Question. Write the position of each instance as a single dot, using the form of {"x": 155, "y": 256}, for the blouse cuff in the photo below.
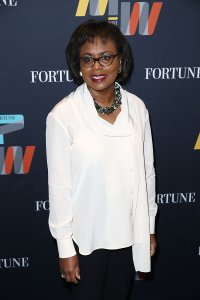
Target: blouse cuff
{"x": 66, "y": 248}
{"x": 152, "y": 225}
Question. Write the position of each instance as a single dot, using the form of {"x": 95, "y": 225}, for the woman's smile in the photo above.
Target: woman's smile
{"x": 98, "y": 77}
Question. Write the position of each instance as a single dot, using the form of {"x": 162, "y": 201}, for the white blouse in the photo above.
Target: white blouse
{"x": 94, "y": 175}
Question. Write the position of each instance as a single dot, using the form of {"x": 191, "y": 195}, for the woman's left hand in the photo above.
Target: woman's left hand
{"x": 152, "y": 244}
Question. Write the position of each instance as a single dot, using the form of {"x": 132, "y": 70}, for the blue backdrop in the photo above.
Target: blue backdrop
{"x": 164, "y": 37}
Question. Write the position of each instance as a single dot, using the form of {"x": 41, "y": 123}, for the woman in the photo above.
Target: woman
{"x": 101, "y": 173}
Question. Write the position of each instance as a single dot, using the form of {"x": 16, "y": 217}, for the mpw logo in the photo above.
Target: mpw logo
{"x": 197, "y": 144}
{"x": 140, "y": 16}
{"x": 13, "y": 155}
{"x": 8, "y": 2}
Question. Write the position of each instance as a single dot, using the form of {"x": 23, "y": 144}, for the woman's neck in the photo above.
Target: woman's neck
{"x": 103, "y": 97}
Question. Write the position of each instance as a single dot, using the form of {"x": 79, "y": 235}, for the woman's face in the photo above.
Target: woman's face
{"x": 98, "y": 77}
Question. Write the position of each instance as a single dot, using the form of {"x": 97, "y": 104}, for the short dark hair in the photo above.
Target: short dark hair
{"x": 87, "y": 32}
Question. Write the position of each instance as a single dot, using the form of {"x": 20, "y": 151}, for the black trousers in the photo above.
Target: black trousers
{"x": 105, "y": 275}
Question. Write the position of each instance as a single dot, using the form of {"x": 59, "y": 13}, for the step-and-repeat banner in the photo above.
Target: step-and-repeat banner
{"x": 164, "y": 37}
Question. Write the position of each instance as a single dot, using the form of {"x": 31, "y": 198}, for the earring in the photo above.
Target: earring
{"x": 81, "y": 74}
{"x": 120, "y": 67}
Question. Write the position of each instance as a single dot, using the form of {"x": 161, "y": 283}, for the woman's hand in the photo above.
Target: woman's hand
{"x": 69, "y": 268}
{"x": 152, "y": 244}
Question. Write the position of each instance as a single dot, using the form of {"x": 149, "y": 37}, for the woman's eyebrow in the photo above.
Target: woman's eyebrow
{"x": 101, "y": 53}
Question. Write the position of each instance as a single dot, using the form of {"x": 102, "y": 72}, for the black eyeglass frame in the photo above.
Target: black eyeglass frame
{"x": 98, "y": 59}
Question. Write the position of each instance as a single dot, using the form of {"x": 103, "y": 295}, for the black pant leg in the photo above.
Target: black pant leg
{"x": 120, "y": 275}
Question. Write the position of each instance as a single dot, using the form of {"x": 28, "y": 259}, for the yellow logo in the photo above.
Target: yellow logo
{"x": 83, "y": 5}
{"x": 197, "y": 145}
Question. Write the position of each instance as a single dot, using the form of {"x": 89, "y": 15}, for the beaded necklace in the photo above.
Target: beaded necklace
{"x": 116, "y": 103}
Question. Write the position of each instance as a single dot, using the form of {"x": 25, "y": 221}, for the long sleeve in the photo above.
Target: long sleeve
{"x": 58, "y": 143}
{"x": 150, "y": 173}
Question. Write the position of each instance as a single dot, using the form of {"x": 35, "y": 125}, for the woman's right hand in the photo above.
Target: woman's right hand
{"x": 69, "y": 267}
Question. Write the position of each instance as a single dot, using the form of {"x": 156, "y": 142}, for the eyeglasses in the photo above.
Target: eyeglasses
{"x": 104, "y": 60}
